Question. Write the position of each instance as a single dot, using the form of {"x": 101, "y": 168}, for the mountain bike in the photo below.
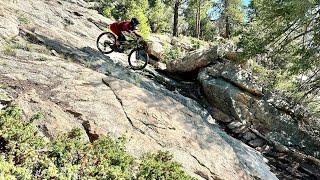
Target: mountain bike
{"x": 138, "y": 57}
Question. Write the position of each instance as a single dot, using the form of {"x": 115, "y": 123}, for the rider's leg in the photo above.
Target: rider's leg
{"x": 122, "y": 38}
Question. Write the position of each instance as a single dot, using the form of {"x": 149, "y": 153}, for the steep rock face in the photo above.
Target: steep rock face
{"x": 66, "y": 93}
{"x": 124, "y": 103}
{"x": 174, "y": 126}
{"x": 230, "y": 88}
{"x": 69, "y": 95}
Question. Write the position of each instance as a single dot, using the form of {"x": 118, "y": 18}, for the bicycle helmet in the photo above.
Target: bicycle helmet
{"x": 135, "y": 22}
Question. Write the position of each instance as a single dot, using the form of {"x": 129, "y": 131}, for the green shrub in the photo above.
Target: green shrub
{"x": 24, "y": 154}
{"x": 12, "y": 44}
{"x": 40, "y": 49}
{"x": 3, "y": 86}
{"x": 173, "y": 53}
{"x": 160, "y": 166}
{"x": 138, "y": 10}
{"x": 9, "y": 50}
{"x": 24, "y": 46}
{"x": 23, "y": 19}
{"x": 196, "y": 43}
{"x": 107, "y": 11}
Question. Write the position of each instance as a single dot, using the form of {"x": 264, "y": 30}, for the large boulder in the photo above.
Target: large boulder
{"x": 182, "y": 43}
{"x": 155, "y": 49}
{"x": 235, "y": 74}
{"x": 194, "y": 61}
{"x": 232, "y": 90}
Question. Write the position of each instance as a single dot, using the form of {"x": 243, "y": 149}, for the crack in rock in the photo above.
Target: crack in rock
{"x": 128, "y": 118}
{"x": 152, "y": 126}
{"x": 213, "y": 175}
{"x": 120, "y": 101}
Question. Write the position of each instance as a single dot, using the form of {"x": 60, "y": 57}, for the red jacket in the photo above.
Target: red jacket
{"x": 118, "y": 27}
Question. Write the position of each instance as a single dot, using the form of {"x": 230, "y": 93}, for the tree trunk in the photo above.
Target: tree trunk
{"x": 199, "y": 19}
{"x": 228, "y": 31}
{"x": 196, "y": 23}
{"x": 176, "y": 16}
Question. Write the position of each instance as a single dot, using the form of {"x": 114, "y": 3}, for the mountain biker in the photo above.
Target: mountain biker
{"x": 128, "y": 26}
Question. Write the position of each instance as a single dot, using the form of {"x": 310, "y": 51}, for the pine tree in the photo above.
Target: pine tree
{"x": 139, "y": 9}
{"x": 176, "y": 4}
{"x": 159, "y": 16}
{"x": 197, "y": 17}
{"x": 231, "y": 15}
{"x": 126, "y": 9}
{"x": 288, "y": 34}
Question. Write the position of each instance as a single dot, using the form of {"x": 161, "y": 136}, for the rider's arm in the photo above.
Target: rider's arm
{"x": 136, "y": 33}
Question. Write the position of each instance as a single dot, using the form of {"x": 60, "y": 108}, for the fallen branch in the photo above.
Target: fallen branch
{"x": 297, "y": 156}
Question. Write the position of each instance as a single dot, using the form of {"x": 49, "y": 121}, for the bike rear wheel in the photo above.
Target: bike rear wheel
{"x": 106, "y": 42}
{"x": 138, "y": 58}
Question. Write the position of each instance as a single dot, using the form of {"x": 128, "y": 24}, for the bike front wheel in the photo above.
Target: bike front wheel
{"x": 138, "y": 58}
{"x": 106, "y": 42}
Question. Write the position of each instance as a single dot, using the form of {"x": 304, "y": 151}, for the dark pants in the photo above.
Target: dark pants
{"x": 121, "y": 37}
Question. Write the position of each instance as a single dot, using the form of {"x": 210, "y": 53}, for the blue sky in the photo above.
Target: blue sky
{"x": 246, "y": 2}
{"x": 215, "y": 15}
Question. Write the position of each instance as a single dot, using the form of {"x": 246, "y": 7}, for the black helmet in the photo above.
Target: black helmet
{"x": 135, "y": 22}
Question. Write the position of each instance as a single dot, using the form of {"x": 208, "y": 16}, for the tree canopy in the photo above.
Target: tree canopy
{"x": 286, "y": 33}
